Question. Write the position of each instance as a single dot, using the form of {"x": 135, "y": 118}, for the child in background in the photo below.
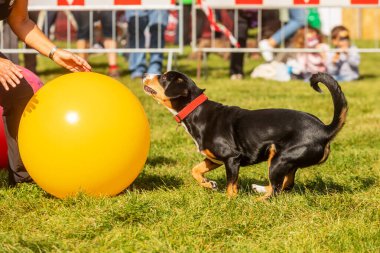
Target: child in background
{"x": 343, "y": 65}
{"x": 300, "y": 65}
{"x": 303, "y": 65}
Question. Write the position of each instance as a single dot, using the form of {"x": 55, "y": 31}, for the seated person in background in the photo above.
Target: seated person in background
{"x": 297, "y": 20}
{"x": 303, "y": 65}
{"x": 344, "y": 65}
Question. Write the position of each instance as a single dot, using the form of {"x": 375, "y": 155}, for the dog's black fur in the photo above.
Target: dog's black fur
{"x": 237, "y": 137}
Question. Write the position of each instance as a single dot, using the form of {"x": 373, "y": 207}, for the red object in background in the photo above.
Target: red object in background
{"x": 70, "y": 2}
{"x": 249, "y": 1}
{"x": 36, "y": 84}
{"x": 225, "y": 20}
{"x": 364, "y": 1}
{"x": 127, "y": 2}
{"x": 171, "y": 28}
{"x": 61, "y": 28}
{"x": 3, "y": 144}
{"x": 306, "y": 2}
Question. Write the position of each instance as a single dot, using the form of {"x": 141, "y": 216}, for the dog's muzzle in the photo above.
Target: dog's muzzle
{"x": 149, "y": 90}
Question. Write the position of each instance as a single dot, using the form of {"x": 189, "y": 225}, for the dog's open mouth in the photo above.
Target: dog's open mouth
{"x": 149, "y": 90}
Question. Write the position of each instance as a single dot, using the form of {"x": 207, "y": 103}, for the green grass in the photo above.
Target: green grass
{"x": 335, "y": 207}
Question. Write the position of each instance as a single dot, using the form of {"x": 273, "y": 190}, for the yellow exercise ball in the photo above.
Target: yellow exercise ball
{"x": 84, "y": 132}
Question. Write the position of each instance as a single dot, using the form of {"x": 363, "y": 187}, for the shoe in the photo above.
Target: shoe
{"x": 264, "y": 47}
{"x": 12, "y": 181}
{"x": 236, "y": 77}
{"x": 137, "y": 75}
{"x": 113, "y": 72}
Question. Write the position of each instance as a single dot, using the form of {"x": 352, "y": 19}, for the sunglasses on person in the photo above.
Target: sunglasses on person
{"x": 344, "y": 38}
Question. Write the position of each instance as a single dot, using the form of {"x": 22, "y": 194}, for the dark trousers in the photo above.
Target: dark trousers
{"x": 83, "y": 21}
{"x": 237, "y": 59}
{"x": 13, "y": 102}
{"x": 137, "y": 61}
{"x": 30, "y": 60}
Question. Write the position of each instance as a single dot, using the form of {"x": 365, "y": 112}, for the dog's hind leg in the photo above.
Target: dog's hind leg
{"x": 284, "y": 165}
{"x": 279, "y": 176}
{"x": 281, "y": 173}
{"x": 199, "y": 170}
{"x": 266, "y": 189}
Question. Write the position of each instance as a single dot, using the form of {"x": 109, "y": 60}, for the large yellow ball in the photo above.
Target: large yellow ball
{"x": 84, "y": 132}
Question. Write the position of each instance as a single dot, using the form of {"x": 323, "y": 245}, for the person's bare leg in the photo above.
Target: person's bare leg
{"x": 112, "y": 58}
{"x": 272, "y": 42}
{"x": 82, "y": 44}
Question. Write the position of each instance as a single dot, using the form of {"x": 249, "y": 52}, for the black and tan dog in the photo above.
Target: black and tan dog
{"x": 236, "y": 137}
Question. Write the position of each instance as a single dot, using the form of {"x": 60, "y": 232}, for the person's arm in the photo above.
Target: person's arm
{"x": 28, "y": 32}
{"x": 353, "y": 56}
{"x": 332, "y": 62}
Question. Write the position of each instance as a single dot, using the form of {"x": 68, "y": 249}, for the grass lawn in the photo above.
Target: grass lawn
{"x": 334, "y": 207}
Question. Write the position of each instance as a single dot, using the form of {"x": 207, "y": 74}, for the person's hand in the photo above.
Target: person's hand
{"x": 345, "y": 49}
{"x": 10, "y": 74}
{"x": 70, "y": 61}
{"x": 336, "y": 57}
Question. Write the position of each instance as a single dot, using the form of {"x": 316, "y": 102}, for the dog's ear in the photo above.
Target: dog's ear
{"x": 177, "y": 88}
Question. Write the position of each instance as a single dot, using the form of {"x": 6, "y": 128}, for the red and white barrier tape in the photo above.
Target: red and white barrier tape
{"x": 289, "y": 3}
{"x": 217, "y": 26}
{"x": 54, "y": 3}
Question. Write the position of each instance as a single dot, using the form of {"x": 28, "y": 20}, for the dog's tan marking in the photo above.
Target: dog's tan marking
{"x": 269, "y": 188}
{"x": 288, "y": 181}
{"x": 211, "y": 156}
{"x": 199, "y": 170}
{"x": 342, "y": 117}
{"x": 208, "y": 153}
{"x": 232, "y": 190}
{"x": 153, "y": 83}
{"x": 167, "y": 103}
{"x": 325, "y": 153}
{"x": 272, "y": 152}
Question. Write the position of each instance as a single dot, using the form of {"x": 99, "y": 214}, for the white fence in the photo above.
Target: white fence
{"x": 234, "y": 5}
{"x": 260, "y": 5}
{"x": 327, "y": 7}
{"x": 102, "y": 5}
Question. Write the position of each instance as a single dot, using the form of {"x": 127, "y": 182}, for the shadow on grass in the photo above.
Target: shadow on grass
{"x": 147, "y": 182}
{"x": 160, "y": 160}
{"x": 3, "y": 178}
{"x": 322, "y": 186}
{"x": 245, "y": 184}
{"x": 318, "y": 185}
{"x": 367, "y": 77}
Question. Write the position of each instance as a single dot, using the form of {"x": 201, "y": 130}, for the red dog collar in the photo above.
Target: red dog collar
{"x": 190, "y": 107}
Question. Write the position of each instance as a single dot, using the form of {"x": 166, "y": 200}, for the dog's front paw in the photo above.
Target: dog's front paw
{"x": 259, "y": 188}
{"x": 214, "y": 185}
{"x": 263, "y": 199}
{"x": 209, "y": 184}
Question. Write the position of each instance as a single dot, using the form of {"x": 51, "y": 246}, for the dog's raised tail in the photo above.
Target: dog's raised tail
{"x": 339, "y": 100}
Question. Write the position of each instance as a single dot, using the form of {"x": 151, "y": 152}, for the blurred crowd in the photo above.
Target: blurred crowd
{"x": 154, "y": 29}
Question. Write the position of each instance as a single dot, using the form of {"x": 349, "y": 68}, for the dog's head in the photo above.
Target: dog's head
{"x": 173, "y": 89}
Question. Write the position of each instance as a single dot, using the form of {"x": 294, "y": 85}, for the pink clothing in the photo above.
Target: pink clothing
{"x": 312, "y": 63}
